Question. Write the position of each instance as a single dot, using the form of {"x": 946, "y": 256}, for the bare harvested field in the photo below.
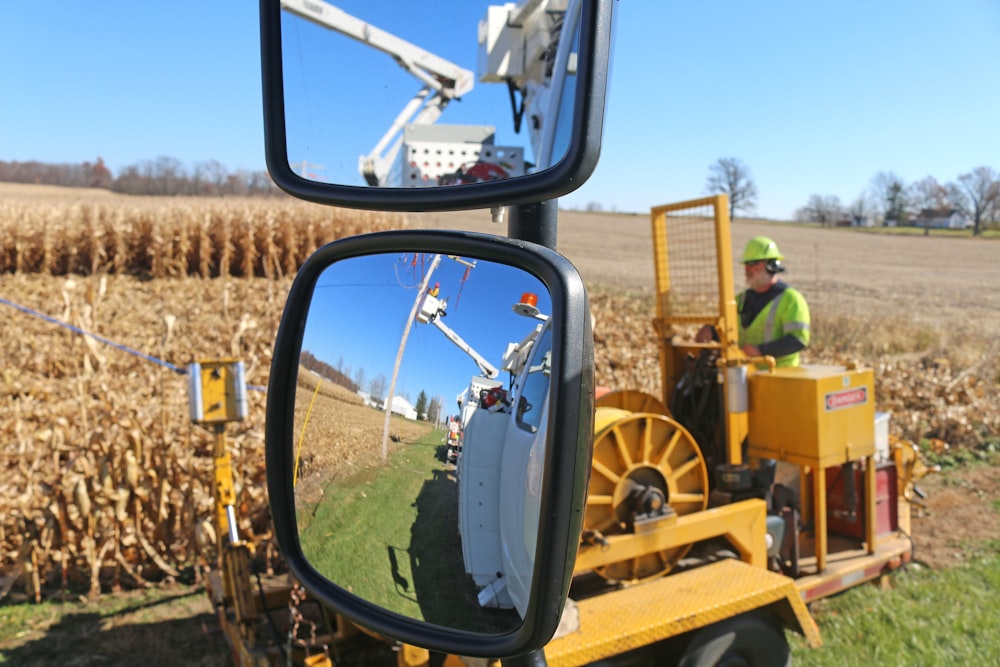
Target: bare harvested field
{"x": 104, "y": 481}
{"x": 340, "y": 435}
{"x": 940, "y": 281}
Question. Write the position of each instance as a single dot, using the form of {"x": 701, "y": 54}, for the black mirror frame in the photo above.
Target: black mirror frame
{"x": 564, "y": 177}
{"x": 567, "y": 458}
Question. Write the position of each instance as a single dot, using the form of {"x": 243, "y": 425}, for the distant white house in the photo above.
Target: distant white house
{"x": 855, "y": 221}
{"x": 367, "y": 399}
{"x": 402, "y": 407}
{"x": 947, "y": 218}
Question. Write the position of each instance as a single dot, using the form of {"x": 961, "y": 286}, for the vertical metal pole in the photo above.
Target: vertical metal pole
{"x": 534, "y": 222}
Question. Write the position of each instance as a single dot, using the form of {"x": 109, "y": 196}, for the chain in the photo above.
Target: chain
{"x": 296, "y": 619}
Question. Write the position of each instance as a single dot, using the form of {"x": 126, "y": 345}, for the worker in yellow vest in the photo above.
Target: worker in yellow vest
{"x": 774, "y": 318}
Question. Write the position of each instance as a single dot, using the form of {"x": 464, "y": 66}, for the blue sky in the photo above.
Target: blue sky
{"x": 375, "y": 294}
{"x": 814, "y": 98}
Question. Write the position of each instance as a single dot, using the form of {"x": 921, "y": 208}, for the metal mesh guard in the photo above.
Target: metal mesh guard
{"x": 692, "y": 260}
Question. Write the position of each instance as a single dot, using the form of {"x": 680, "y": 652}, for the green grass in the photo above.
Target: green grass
{"x": 152, "y": 627}
{"x": 919, "y": 231}
{"x": 988, "y": 453}
{"x": 390, "y": 535}
{"x": 945, "y": 617}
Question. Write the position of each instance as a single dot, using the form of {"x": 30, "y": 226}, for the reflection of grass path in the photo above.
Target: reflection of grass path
{"x": 359, "y": 535}
{"x": 390, "y": 535}
{"x": 356, "y": 532}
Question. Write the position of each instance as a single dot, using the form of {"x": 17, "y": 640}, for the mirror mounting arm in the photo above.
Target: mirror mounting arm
{"x": 532, "y": 659}
{"x": 517, "y": 109}
{"x": 534, "y": 222}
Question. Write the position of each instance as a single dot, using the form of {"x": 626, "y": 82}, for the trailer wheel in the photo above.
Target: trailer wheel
{"x": 748, "y": 640}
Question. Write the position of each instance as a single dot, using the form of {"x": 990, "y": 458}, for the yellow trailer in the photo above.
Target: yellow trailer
{"x": 683, "y": 551}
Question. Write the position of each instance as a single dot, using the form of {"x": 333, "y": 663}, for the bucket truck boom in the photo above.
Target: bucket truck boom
{"x": 431, "y": 310}
{"x": 441, "y": 80}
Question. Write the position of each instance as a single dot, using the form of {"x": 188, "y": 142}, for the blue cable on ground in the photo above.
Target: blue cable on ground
{"x": 101, "y": 339}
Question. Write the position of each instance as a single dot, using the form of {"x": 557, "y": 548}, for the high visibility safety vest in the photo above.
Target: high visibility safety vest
{"x": 787, "y": 314}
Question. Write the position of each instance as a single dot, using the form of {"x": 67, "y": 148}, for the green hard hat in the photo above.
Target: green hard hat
{"x": 761, "y": 247}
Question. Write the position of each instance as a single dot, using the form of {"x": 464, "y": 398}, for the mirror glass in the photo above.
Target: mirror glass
{"x": 403, "y": 358}
{"x": 398, "y": 93}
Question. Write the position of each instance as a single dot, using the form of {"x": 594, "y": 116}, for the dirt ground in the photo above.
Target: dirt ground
{"x": 932, "y": 279}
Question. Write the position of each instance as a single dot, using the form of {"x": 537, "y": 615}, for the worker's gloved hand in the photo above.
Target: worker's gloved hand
{"x": 706, "y": 334}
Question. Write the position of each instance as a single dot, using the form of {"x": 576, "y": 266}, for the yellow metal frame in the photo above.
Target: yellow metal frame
{"x": 814, "y": 508}
{"x": 673, "y": 352}
{"x": 744, "y": 524}
{"x": 630, "y": 618}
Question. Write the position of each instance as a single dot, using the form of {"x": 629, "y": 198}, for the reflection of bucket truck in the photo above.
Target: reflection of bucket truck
{"x": 499, "y": 476}
{"x": 431, "y": 311}
{"x": 410, "y": 153}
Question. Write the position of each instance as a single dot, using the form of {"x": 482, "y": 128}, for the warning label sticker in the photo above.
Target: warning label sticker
{"x": 847, "y": 398}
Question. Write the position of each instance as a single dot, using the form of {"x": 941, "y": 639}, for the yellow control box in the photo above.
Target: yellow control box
{"x": 817, "y": 416}
{"x": 217, "y": 391}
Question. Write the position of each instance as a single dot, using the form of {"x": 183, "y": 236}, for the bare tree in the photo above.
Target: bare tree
{"x": 862, "y": 209}
{"x": 825, "y": 210}
{"x": 928, "y": 199}
{"x": 730, "y": 176}
{"x": 977, "y": 195}
{"x": 434, "y": 410}
{"x": 214, "y": 175}
{"x": 169, "y": 174}
{"x": 377, "y": 387}
{"x": 927, "y": 194}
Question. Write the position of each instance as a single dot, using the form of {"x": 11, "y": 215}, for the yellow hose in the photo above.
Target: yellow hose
{"x": 302, "y": 436}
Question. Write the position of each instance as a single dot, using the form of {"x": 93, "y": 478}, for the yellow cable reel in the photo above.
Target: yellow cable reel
{"x": 633, "y": 401}
{"x": 645, "y": 467}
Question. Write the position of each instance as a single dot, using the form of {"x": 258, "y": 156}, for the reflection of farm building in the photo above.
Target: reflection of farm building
{"x": 402, "y": 407}
{"x": 367, "y": 399}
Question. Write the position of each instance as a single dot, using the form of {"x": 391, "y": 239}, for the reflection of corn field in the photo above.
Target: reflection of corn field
{"x": 341, "y": 437}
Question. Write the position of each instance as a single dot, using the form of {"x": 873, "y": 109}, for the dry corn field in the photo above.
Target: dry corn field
{"x": 159, "y": 237}
{"x": 105, "y": 483}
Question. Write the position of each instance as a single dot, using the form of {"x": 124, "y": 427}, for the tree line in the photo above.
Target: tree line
{"x": 428, "y": 409}
{"x": 163, "y": 176}
{"x": 888, "y": 200}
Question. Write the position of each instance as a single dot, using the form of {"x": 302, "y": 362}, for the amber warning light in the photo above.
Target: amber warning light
{"x": 528, "y": 306}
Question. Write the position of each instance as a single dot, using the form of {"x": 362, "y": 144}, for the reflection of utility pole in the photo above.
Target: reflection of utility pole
{"x": 399, "y": 354}
{"x": 439, "y": 402}
{"x": 303, "y": 169}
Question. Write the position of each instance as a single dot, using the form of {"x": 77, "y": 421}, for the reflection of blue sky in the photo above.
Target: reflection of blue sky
{"x": 361, "y": 305}
{"x": 342, "y": 96}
